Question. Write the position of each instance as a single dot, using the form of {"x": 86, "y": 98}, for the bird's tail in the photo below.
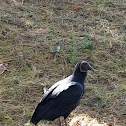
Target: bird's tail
{"x": 38, "y": 114}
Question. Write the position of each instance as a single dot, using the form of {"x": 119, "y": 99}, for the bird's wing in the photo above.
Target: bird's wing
{"x": 52, "y": 88}
{"x": 62, "y": 87}
{"x": 49, "y": 91}
{"x": 57, "y": 88}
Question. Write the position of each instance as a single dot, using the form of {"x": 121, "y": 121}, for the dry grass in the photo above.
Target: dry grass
{"x": 85, "y": 120}
{"x": 42, "y": 40}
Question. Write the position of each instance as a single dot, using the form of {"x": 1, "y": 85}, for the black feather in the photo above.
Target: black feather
{"x": 62, "y": 97}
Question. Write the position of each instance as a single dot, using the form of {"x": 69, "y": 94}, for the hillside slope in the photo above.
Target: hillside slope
{"x": 41, "y": 41}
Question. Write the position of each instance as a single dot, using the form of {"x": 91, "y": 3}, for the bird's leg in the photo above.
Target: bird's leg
{"x": 66, "y": 123}
{"x": 59, "y": 121}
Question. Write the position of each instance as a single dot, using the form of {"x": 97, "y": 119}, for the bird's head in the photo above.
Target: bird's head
{"x": 80, "y": 71}
{"x": 85, "y": 66}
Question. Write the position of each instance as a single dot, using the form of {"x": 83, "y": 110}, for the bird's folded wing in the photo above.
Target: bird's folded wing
{"x": 56, "y": 89}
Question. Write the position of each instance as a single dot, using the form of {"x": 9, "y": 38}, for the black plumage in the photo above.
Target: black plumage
{"x": 63, "y": 96}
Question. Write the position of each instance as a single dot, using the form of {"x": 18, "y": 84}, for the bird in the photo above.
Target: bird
{"x": 63, "y": 97}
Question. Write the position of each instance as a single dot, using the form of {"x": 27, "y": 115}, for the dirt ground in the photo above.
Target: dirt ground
{"x": 42, "y": 40}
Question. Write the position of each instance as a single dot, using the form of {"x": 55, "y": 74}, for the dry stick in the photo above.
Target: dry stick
{"x": 114, "y": 121}
{"x": 22, "y": 2}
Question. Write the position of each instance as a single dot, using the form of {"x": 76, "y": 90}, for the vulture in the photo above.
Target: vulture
{"x": 63, "y": 97}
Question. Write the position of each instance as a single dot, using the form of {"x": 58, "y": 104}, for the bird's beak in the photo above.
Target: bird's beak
{"x": 91, "y": 68}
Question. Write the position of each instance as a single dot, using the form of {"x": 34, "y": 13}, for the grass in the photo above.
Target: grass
{"x": 41, "y": 42}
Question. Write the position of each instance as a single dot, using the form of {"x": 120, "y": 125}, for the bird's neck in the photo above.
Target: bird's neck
{"x": 79, "y": 76}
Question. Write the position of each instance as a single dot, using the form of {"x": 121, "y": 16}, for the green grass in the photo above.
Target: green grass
{"x": 42, "y": 41}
